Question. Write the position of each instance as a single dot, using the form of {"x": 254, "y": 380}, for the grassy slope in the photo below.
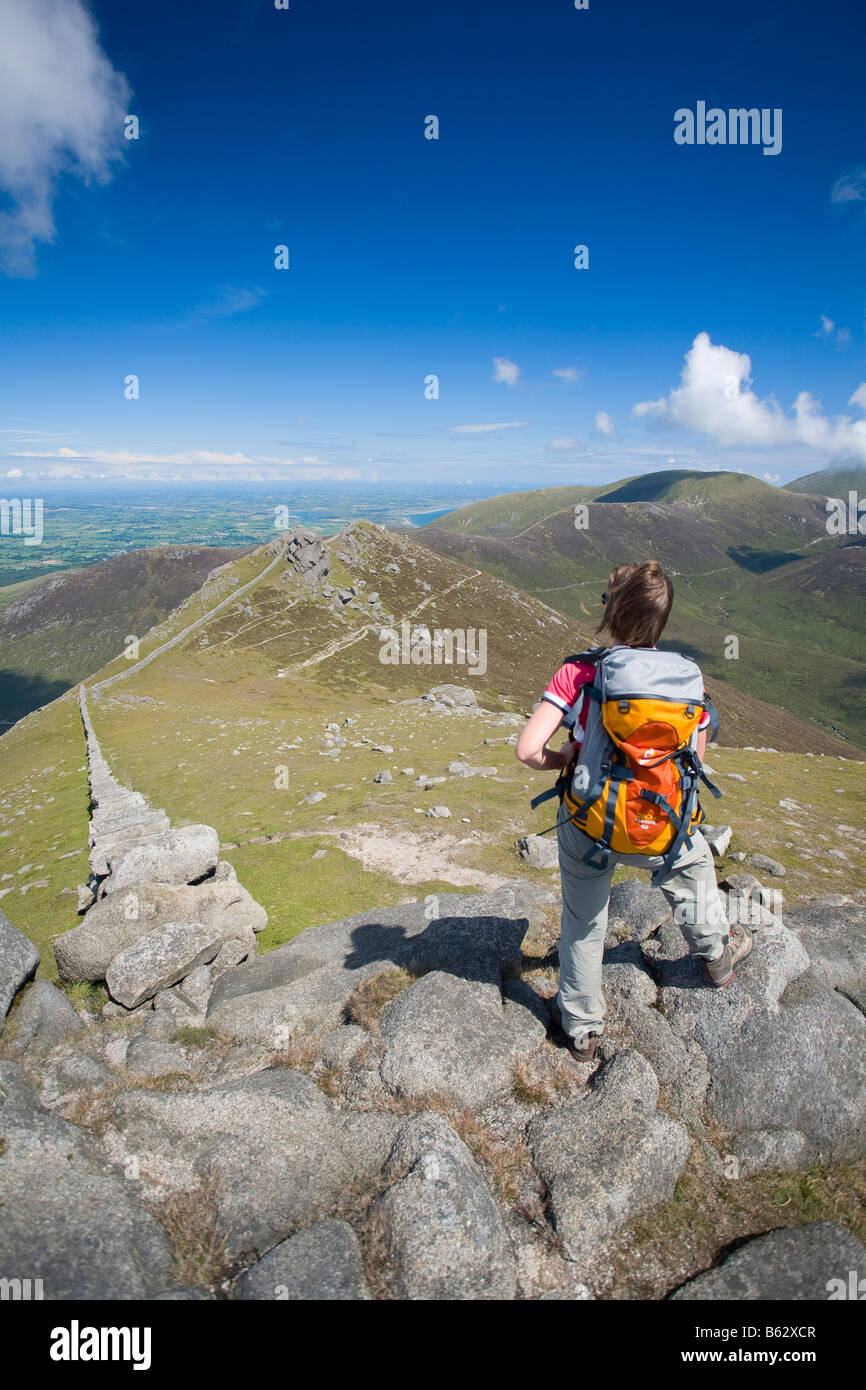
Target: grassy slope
{"x": 44, "y": 809}
{"x": 509, "y": 514}
{"x": 832, "y": 482}
{"x": 223, "y": 722}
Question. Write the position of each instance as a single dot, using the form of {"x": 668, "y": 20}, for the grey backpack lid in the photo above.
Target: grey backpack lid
{"x": 650, "y": 673}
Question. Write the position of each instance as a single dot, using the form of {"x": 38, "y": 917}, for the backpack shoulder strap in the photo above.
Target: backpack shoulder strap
{"x": 596, "y": 655}
{"x": 714, "y": 717}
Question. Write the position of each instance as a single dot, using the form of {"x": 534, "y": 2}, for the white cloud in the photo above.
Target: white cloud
{"x": 568, "y": 373}
{"x": 772, "y": 477}
{"x": 828, "y": 329}
{"x": 716, "y": 399}
{"x": 120, "y": 457}
{"x": 14, "y": 473}
{"x": 603, "y": 423}
{"x": 489, "y": 429}
{"x": 504, "y": 370}
{"x": 332, "y": 471}
{"x": 562, "y": 444}
{"x": 191, "y": 461}
{"x": 850, "y": 187}
{"x": 61, "y": 111}
{"x": 228, "y": 300}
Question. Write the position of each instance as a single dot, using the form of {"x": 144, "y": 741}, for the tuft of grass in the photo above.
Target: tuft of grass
{"x": 92, "y": 1111}
{"x": 191, "y": 1035}
{"x": 328, "y": 1078}
{"x": 90, "y": 994}
{"x": 506, "y": 1162}
{"x": 301, "y": 1053}
{"x": 539, "y": 1081}
{"x": 169, "y": 1081}
{"x": 191, "y": 1219}
{"x": 367, "y": 1003}
{"x": 529, "y": 1089}
{"x": 542, "y": 936}
{"x": 376, "y": 1252}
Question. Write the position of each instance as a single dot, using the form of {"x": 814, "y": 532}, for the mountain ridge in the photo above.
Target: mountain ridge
{"x": 53, "y": 633}
{"x": 747, "y": 560}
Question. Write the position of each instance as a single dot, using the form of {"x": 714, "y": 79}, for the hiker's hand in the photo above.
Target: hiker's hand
{"x": 568, "y": 751}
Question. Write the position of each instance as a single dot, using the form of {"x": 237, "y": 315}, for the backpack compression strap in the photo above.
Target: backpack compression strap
{"x": 691, "y": 770}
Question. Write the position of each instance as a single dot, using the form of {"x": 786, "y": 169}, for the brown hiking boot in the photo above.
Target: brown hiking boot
{"x": 720, "y": 972}
{"x": 585, "y": 1050}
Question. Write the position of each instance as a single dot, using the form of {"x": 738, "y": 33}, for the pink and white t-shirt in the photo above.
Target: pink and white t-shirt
{"x": 565, "y": 690}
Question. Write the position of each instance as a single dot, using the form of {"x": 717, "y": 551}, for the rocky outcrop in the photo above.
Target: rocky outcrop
{"x": 445, "y": 1236}
{"x": 540, "y": 851}
{"x": 608, "y": 1157}
{"x": 276, "y": 1150}
{"x": 803, "y": 1262}
{"x": 159, "y": 960}
{"x": 836, "y": 945}
{"x": 175, "y": 857}
{"x": 636, "y": 910}
{"x": 44, "y": 1018}
{"x": 118, "y": 920}
{"x": 767, "y": 1044}
{"x": 69, "y": 1218}
{"x": 322, "y": 1263}
{"x": 307, "y": 984}
{"x": 307, "y": 554}
{"x": 458, "y": 1038}
{"x": 451, "y": 699}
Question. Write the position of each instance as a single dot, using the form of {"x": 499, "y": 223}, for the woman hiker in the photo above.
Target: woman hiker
{"x": 637, "y": 604}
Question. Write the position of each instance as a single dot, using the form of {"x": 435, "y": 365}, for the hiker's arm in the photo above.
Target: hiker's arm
{"x": 702, "y": 743}
{"x": 531, "y": 746}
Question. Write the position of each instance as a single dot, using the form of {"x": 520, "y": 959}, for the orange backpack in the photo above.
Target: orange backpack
{"x": 633, "y": 785}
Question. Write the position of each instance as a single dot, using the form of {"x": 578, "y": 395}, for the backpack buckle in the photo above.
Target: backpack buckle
{"x": 624, "y": 707}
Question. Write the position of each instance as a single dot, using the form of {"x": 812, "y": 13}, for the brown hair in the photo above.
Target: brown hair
{"x": 637, "y": 604}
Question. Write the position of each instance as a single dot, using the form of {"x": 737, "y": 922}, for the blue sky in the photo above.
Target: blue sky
{"x": 411, "y": 257}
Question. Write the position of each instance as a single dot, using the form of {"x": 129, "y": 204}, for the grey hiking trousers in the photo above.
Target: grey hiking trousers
{"x": 690, "y": 888}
